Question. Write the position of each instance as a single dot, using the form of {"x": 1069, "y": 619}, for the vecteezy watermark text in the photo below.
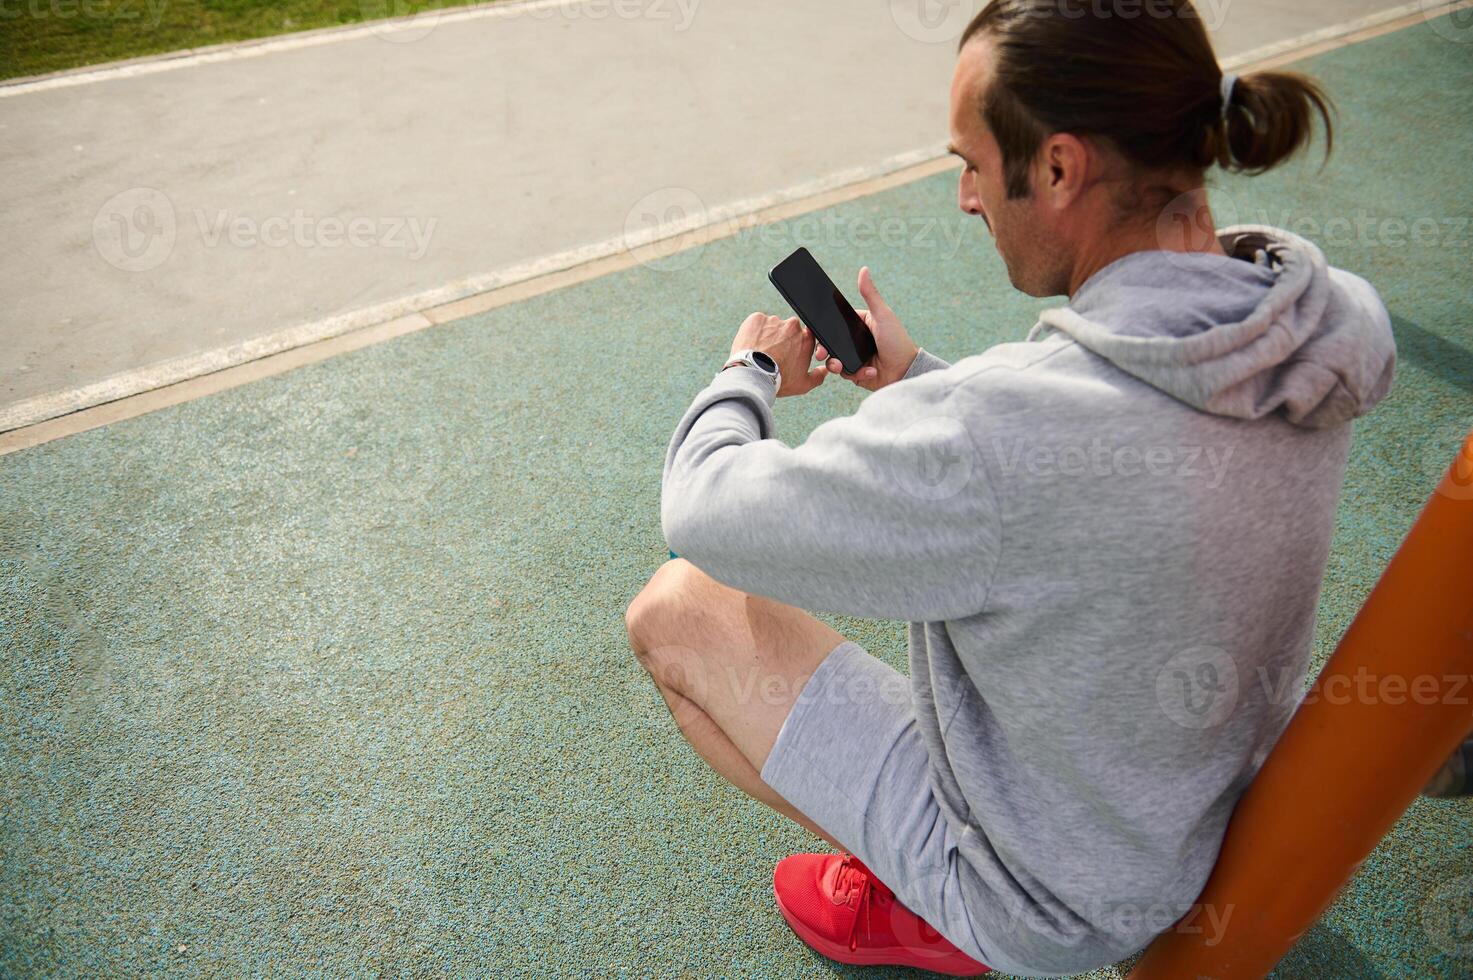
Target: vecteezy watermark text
{"x": 408, "y": 233}
{"x": 942, "y": 21}
{"x": 136, "y": 230}
{"x": 143, "y": 12}
{"x": 680, "y": 12}
{"x": 1101, "y": 459}
{"x": 655, "y": 223}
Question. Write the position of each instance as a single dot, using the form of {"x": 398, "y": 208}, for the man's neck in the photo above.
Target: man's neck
{"x": 1120, "y": 240}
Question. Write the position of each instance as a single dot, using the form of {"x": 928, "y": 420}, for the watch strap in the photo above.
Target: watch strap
{"x": 748, "y": 358}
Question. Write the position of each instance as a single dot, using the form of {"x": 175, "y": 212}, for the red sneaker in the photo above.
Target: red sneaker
{"x": 837, "y": 906}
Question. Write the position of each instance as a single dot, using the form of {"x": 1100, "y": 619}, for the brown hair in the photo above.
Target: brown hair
{"x": 1144, "y": 78}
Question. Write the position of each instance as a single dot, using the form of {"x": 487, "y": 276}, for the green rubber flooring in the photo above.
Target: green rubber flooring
{"x": 328, "y": 674}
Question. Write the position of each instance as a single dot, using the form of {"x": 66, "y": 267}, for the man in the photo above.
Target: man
{"x": 1108, "y": 540}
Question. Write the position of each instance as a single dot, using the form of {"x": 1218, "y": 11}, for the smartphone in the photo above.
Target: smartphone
{"x": 820, "y": 305}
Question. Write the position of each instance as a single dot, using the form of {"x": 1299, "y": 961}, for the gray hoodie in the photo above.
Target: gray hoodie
{"x": 1108, "y": 542}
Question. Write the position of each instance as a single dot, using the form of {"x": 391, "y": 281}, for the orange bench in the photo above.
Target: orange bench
{"x": 1391, "y": 705}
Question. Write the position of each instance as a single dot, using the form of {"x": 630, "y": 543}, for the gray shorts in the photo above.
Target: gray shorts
{"x": 849, "y": 757}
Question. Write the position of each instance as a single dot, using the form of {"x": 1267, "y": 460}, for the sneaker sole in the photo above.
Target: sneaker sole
{"x": 843, "y": 954}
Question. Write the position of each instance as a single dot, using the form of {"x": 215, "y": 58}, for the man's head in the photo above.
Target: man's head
{"x": 1078, "y": 121}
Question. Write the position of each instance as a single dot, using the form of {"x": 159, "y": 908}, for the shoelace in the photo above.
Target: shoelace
{"x": 854, "y": 881}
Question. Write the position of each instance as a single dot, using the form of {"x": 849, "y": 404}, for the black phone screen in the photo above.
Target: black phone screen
{"x": 819, "y": 304}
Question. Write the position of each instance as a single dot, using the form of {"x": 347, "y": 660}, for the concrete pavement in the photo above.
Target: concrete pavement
{"x": 174, "y": 217}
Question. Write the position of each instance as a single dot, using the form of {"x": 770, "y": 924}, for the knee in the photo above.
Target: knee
{"x": 654, "y": 613}
{"x": 639, "y": 621}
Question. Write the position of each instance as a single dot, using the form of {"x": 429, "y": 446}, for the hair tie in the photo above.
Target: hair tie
{"x": 1228, "y": 81}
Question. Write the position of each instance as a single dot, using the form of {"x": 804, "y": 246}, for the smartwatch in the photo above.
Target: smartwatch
{"x": 760, "y": 360}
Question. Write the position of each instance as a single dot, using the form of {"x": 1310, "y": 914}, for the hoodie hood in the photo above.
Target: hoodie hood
{"x": 1270, "y": 328}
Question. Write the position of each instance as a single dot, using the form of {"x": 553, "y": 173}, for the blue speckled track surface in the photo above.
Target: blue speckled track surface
{"x": 328, "y": 673}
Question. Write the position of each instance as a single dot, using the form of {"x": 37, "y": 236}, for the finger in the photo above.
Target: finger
{"x": 819, "y": 352}
{"x": 816, "y": 376}
{"x": 871, "y": 294}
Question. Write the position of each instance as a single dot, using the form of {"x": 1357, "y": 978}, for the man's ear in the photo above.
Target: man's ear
{"x": 1065, "y": 160}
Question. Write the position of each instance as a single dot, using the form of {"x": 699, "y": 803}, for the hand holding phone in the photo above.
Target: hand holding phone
{"x": 820, "y": 305}
{"x": 875, "y": 333}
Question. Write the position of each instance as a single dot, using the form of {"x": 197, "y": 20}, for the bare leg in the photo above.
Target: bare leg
{"x": 711, "y": 743}
{"x": 729, "y": 666}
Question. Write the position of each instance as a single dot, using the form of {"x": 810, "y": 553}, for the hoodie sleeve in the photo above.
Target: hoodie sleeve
{"x": 924, "y": 361}
{"x": 886, "y": 513}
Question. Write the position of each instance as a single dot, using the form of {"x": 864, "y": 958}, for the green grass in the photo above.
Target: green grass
{"x": 39, "y": 36}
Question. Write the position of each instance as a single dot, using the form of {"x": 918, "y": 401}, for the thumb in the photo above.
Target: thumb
{"x": 872, "y": 298}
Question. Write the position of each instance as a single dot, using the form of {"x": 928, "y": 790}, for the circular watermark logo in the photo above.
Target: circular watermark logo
{"x": 933, "y": 457}
{"x": 398, "y": 20}
{"x": 1447, "y": 916}
{"x": 932, "y": 21}
{"x": 135, "y": 231}
{"x": 652, "y": 225}
{"x": 678, "y": 668}
{"x": 1198, "y": 688}
{"x": 1455, "y": 23}
{"x": 1456, "y": 479}
{"x": 907, "y": 917}
{"x": 1189, "y": 223}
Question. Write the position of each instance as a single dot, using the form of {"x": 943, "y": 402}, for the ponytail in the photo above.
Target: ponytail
{"x": 1268, "y": 118}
